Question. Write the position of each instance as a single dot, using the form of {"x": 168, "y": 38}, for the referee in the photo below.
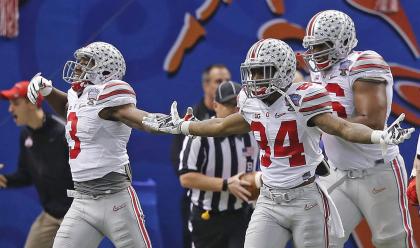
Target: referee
{"x": 210, "y": 168}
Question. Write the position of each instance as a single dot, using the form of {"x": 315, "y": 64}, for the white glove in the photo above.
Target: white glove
{"x": 38, "y": 85}
{"x": 393, "y": 135}
{"x": 172, "y": 124}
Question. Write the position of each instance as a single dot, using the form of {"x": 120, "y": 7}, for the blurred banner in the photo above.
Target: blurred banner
{"x": 166, "y": 45}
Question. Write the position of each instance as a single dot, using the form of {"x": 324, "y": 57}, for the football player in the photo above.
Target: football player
{"x": 369, "y": 179}
{"x": 286, "y": 120}
{"x": 413, "y": 189}
{"x": 100, "y": 111}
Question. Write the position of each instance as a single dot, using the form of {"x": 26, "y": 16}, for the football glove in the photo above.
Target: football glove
{"x": 172, "y": 124}
{"x": 38, "y": 85}
{"x": 393, "y": 135}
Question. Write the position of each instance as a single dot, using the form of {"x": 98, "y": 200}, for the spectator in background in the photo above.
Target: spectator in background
{"x": 210, "y": 169}
{"x": 43, "y": 161}
{"x": 212, "y": 76}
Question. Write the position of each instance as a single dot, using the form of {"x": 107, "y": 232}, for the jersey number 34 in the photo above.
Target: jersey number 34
{"x": 294, "y": 151}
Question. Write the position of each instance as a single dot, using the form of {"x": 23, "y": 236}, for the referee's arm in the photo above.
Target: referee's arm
{"x": 192, "y": 161}
{"x": 196, "y": 180}
{"x": 191, "y": 175}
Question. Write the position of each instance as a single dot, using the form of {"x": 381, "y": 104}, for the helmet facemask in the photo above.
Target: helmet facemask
{"x": 322, "y": 59}
{"x": 259, "y": 79}
{"x": 81, "y": 70}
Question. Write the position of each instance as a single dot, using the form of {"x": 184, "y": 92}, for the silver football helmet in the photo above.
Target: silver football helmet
{"x": 270, "y": 65}
{"x": 97, "y": 63}
{"x": 332, "y": 30}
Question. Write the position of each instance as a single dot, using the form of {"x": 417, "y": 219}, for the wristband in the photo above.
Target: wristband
{"x": 45, "y": 91}
{"x": 418, "y": 156}
{"x": 185, "y": 127}
{"x": 225, "y": 185}
{"x": 375, "y": 136}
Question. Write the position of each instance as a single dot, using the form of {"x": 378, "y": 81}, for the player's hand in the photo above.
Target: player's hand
{"x": 393, "y": 135}
{"x": 235, "y": 186}
{"x": 3, "y": 181}
{"x": 168, "y": 124}
{"x": 38, "y": 85}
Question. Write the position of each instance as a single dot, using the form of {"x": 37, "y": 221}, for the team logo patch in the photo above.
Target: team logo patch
{"x": 344, "y": 67}
{"x": 92, "y": 96}
{"x": 295, "y": 99}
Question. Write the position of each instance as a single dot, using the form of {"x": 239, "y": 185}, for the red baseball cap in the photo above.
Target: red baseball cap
{"x": 19, "y": 90}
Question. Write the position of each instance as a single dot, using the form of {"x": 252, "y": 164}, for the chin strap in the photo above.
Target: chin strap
{"x": 283, "y": 93}
{"x": 79, "y": 86}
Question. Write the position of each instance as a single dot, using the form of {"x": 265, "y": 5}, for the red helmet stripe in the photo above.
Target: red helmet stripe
{"x": 309, "y": 30}
{"x": 256, "y": 47}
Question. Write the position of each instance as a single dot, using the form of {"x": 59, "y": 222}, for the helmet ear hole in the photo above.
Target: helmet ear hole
{"x": 106, "y": 73}
{"x": 346, "y": 41}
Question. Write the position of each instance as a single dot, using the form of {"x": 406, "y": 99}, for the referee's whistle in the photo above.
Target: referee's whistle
{"x": 205, "y": 215}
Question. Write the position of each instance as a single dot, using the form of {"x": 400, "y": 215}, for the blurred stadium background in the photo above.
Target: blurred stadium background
{"x": 166, "y": 45}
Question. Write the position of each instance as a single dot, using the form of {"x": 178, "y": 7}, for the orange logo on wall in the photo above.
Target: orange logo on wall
{"x": 192, "y": 30}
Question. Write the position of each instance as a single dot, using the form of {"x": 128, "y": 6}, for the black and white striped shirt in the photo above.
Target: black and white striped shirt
{"x": 221, "y": 157}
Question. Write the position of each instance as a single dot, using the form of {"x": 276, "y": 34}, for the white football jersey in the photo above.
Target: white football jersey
{"x": 413, "y": 171}
{"x": 97, "y": 146}
{"x": 289, "y": 148}
{"x": 339, "y": 82}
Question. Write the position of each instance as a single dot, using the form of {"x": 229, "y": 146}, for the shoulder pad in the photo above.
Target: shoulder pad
{"x": 115, "y": 89}
{"x": 314, "y": 98}
{"x": 368, "y": 61}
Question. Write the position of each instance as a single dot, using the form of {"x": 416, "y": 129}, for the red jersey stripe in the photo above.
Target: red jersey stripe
{"x": 373, "y": 66}
{"x": 315, "y": 107}
{"x": 116, "y": 92}
{"x": 309, "y": 98}
{"x": 113, "y": 84}
{"x": 364, "y": 57}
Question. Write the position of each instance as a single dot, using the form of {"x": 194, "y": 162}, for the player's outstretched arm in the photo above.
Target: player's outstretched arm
{"x": 216, "y": 127}
{"x": 359, "y": 133}
{"x": 42, "y": 86}
{"x": 219, "y": 127}
{"x": 128, "y": 114}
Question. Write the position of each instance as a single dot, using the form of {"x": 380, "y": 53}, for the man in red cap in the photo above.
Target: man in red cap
{"x": 43, "y": 162}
